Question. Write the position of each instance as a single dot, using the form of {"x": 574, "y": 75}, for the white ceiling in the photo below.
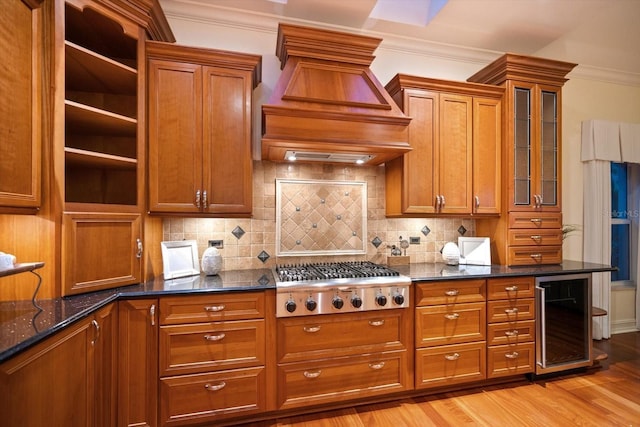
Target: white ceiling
{"x": 603, "y": 34}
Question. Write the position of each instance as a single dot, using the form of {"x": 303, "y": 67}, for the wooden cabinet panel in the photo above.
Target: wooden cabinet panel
{"x": 100, "y": 251}
{"x": 304, "y": 338}
{"x": 21, "y": 80}
{"x": 200, "y": 129}
{"x": 511, "y": 310}
{"x": 537, "y": 237}
{"x": 191, "y": 399}
{"x": 455, "y": 154}
{"x": 323, "y": 381}
{"x": 450, "y": 364}
{"x": 450, "y": 292}
{"x": 511, "y": 288}
{"x": 528, "y": 255}
{"x": 209, "y": 308}
{"x": 211, "y": 346}
{"x": 509, "y": 360}
{"x": 105, "y": 343}
{"x": 137, "y": 363}
{"x": 536, "y": 220}
{"x": 487, "y": 156}
{"x": 442, "y": 324}
{"x": 175, "y": 135}
{"x": 511, "y": 333}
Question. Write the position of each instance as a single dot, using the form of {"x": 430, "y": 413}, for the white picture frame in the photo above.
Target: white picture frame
{"x": 180, "y": 258}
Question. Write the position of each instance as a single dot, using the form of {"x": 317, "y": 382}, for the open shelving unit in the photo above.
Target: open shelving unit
{"x": 101, "y": 112}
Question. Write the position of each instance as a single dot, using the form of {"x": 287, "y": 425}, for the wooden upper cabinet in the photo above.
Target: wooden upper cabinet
{"x": 200, "y": 129}
{"x": 455, "y": 135}
{"x": 21, "y": 93}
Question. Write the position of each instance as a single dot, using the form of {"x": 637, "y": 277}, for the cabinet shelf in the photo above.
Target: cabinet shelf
{"x": 90, "y": 71}
{"x": 77, "y": 157}
{"x": 82, "y": 118}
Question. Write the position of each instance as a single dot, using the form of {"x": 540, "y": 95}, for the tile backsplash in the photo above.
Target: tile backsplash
{"x": 251, "y": 242}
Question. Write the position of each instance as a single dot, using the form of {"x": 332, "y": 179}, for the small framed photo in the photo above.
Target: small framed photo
{"x": 180, "y": 258}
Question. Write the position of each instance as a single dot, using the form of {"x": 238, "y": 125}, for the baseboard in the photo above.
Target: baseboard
{"x": 623, "y": 326}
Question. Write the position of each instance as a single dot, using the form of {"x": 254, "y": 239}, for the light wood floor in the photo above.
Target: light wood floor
{"x": 606, "y": 396}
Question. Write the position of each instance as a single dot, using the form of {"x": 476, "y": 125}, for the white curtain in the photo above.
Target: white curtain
{"x": 602, "y": 143}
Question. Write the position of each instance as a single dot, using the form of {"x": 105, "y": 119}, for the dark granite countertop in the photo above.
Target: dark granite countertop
{"x": 23, "y": 325}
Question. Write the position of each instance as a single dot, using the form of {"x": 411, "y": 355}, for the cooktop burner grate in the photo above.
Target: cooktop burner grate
{"x": 332, "y": 270}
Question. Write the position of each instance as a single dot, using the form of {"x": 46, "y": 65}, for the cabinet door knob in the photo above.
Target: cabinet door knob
{"x": 315, "y": 374}
{"x": 216, "y": 387}
{"x": 454, "y": 356}
{"x": 512, "y": 288}
{"x": 438, "y": 202}
{"x": 376, "y": 366}
{"x": 152, "y": 314}
{"x": 311, "y": 329}
{"x": 477, "y": 202}
{"x": 442, "y": 202}
{"x": 376, "y": 322}
{"x": 513, "y": 355}
{"x": 451, "y": 316}
{"x": 513, "y": 333}
{"x": 205, "y": 202}
{"x": 451, "y": 292}
{"x": 197, "y": 199}
{"x": 214, "y": 308}
{"x": 214, "y": 337}
{"x": 513, "y": 310}
{"x": 96, "y": 326}
{"x": 139, "y": 246}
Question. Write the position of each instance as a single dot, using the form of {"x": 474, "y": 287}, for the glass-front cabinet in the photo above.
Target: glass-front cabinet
{"x": 535, "y": 148}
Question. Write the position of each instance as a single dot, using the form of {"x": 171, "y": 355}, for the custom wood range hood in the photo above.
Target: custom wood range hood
{"x": 327, "y": 105}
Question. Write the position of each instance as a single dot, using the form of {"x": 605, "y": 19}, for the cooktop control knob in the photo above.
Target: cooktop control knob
{"x": 381, "y": 300}
{"x": 337, "y": 302}
{"x": 398, "y": 298}
{"x": 356, "y": 301}
{"x": 290, "y": 305}
{"x": 310, "y": 304}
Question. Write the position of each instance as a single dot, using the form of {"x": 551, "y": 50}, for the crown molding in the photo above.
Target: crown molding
{"x": 229, "y": 17}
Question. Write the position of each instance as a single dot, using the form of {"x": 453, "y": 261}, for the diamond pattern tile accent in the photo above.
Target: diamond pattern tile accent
{"x": 462, "y": 230}
{"x": 238, "y": 232}
{"x": 263, "y": 280}
{"x": 376, "y": 241}
{"x": 426, "y": 230}
{"x": 263, "y": 256}
{"x": 322, "y": 216}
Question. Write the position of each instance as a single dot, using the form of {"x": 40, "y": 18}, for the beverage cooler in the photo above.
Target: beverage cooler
{"x": 564, "y": 322}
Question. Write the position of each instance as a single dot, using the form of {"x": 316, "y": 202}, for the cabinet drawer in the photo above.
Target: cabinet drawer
{"x": 511, "y": 288}
{"x": 228, "y": 306}
{"x": 213, "y": 396}
{"x": 511, "y": 333}
{"x": 532, "y": 255}
{"x": 331, "y": 380}
{"x": 211, "y": 346}
{"x": 535, "y": 220}
{"x": 450, "y": 324}
{"x": 537, "y": 237}
{"x": 511, "y": 311}
{"x": 507, "y": 360}
{"x": 450, "y": 364}
{"x": 314, "y": 337}
{"x": 450, "y": 291}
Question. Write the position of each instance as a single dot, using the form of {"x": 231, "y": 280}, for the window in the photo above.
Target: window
{"x": 620, "y": 225}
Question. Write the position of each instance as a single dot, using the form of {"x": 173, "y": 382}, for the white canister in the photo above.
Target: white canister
{"x": 6, "y": 261}
{"x": 211, "y": 261}
{"x": 451, "y": 253}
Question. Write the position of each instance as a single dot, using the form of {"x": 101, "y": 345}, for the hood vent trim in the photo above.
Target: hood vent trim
{"x": 316, "y": 156}
{"x": 327, "y": 101}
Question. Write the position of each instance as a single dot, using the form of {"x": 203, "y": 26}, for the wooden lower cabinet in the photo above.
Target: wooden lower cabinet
{"x": 450, "y": 364}
{"x": 138, "y": 362}
{"x": 511, "y": 328}
{"x": 213, "y": 357}
{"x": 67, "y": 380}
{"x": 327, "y": 359}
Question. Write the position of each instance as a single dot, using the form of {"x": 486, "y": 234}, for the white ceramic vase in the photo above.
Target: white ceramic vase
{"x": 211, "y": 261}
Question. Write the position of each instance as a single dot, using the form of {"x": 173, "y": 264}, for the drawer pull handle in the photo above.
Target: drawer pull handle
{"x": 513, "y": 355}
{"x": 536, "y": 256}
{"x": 214, "y": 337}
{"x": 311, "y": 329}
{"x": 454, "y": 356}
{"x": 536, "y": 238}
{"x": 452, "y": 316}
{"x": 451, "y": 292}
{"x": 214, "y": 307}
{"x": 536, "y": 220}
{"x": 513, "y": 333}
{"x": 315, "y": 374}
{"x": 215, "y": 387}
{"x": 513, "y": 310}
{"x": 378, "y": 365}
{"x": 376, "y": 322}
{"x": 513, "y": 288}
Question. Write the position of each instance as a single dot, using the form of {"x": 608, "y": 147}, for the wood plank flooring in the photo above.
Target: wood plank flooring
{"x": 606, "y": 396}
